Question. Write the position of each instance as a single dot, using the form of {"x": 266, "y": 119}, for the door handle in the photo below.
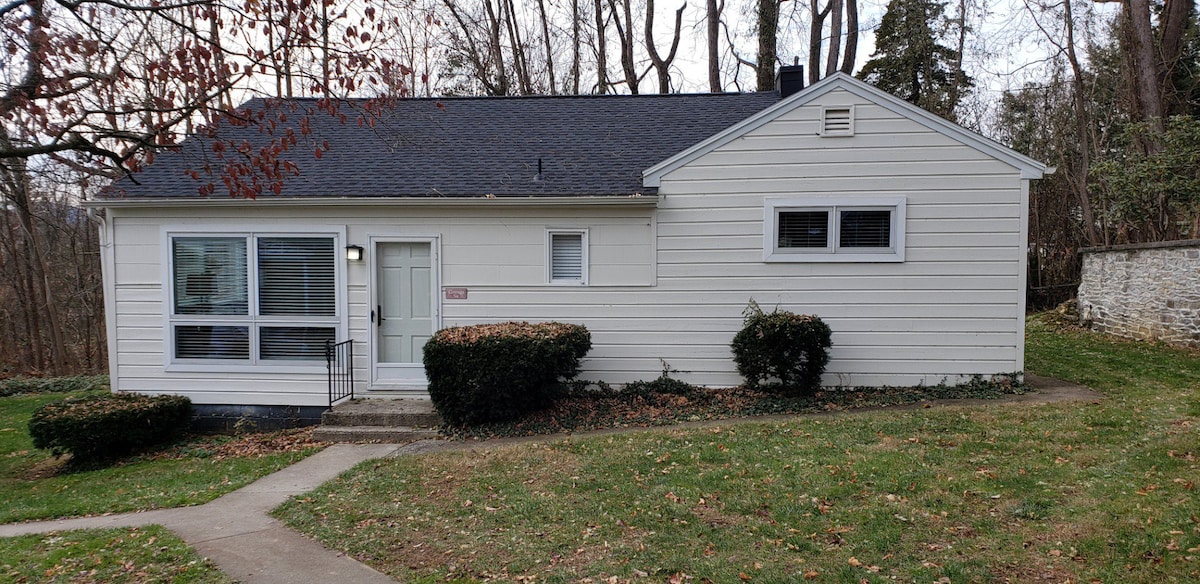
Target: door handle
{"x": 379, "y": 311}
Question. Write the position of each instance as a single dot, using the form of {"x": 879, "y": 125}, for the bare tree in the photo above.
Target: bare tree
{"x": 660, "y": 64}
{"x": 623, "y": 21}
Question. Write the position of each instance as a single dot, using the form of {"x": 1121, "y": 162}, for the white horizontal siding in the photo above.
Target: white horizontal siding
{"x": 670, "y": 285}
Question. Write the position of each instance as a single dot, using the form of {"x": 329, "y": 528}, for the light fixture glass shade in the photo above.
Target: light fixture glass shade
{"x": 354, "y": 253}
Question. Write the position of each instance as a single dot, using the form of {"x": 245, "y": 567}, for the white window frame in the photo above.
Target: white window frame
{"x": 825, "y": 132}
{"x": 583, "y": 272}
{"x": 252, "y": 320}
{"x": 833, "y": 252}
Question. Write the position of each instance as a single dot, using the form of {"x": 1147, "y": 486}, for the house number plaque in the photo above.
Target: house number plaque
{"x": 456, "y": 293}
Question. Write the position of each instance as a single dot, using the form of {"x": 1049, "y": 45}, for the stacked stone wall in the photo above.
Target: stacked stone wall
{"x": 1143, "y": 291}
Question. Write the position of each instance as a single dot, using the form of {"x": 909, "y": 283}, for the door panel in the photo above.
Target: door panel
{"x": 404, "y": 285}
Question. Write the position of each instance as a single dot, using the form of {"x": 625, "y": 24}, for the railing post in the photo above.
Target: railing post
{"x": 329, "y": 369}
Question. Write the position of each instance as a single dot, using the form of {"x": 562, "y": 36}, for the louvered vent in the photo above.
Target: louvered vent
{"x": 837, "y": 121}
{"x": 566, "y": 257}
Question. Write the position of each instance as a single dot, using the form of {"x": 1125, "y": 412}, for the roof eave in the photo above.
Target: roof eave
{"x": 639, "y": 200}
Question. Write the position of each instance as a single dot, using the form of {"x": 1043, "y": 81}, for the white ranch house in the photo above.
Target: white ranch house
{"x": 653, "y": 220}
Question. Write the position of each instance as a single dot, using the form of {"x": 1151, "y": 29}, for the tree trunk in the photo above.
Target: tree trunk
{"x": 601, "y": 48}
{"x": 1146, "y": 88}
{"x": 549, "y": 50}
{"x": 575, "y": 47}
{"x": 768, "y": 33}
{"x": 494, "y": 28}
{"x": 954, "y": 94}
{"x": 1079, "y": 182}
{"x": 625, "y": 33}
{"x": 815, "y": 27}
{"x": 835, "y": 37}
{"x": 662, "y": 66}
{"x": 851, "y": 37}
{"x": 713, "y": 19}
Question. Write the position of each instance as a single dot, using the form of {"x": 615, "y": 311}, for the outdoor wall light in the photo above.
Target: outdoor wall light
{"x": 354, "y": 253}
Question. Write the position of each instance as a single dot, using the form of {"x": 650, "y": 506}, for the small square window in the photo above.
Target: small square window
{"x": 567, "y": 257}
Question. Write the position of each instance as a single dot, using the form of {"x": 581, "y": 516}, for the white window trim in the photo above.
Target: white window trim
{"x": 253, "y": 364}
{"x": 824, "y": 117}
{"x": 583, "y": 279}
{"x": 832, "y": 253}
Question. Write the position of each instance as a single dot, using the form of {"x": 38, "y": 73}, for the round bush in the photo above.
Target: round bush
{"x": 782, "y": 347}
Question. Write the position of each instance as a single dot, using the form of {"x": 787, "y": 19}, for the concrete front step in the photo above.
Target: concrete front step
{"x": 383, "y": 412}
{"x": 373, "y": 434}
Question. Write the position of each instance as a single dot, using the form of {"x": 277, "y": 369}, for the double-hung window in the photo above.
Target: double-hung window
{"x": 252, "y": 299}
{"x": 834, "y": 229}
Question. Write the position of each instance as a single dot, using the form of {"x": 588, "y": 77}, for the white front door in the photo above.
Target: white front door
{"x": 404, "y": 311}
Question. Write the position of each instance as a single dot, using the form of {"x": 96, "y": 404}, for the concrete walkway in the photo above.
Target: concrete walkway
{"x": 236, "y": 533}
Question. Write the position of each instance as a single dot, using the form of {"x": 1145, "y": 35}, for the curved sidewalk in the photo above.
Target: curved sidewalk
{"x": 236, "y": 533}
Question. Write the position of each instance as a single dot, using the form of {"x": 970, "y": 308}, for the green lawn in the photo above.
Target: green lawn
{"x": 135, "y": 555}
{"x": 1001, "y": 493}
{"x": 35, "y": 486}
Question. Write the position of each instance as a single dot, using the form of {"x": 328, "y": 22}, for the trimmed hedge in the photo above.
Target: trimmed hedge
{"x": 98, "y": 427}
{"x": 789, "y": 348}
{"x": 495, "y": 372}
{"x": 23, "y": 385}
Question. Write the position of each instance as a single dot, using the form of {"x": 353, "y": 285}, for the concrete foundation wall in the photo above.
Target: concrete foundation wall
{"x": 1143, "y": 291}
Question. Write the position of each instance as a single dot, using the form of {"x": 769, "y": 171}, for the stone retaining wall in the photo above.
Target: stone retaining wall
{"x": 1143, "y": 291}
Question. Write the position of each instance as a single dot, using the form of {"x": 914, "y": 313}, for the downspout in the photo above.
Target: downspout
{"x": 107, "y": 273}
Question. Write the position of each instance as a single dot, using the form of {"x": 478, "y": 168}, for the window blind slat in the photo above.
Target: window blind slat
{"x": 869, "y": 228}
{"x": 803, "y": 229}
{"x": 210, "y": 275}
{"x": 212, "y": 342}
{"x": 294, "y": 343}
{"x": 296, "y": 276}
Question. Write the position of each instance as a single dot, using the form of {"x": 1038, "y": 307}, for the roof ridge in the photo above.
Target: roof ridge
{"x": 522, "y": 97}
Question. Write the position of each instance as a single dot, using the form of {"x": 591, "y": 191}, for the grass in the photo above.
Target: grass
{"x": 1101, "y": 492}
{"x": 135, "y": 555}
{"x": 193, "y": 471}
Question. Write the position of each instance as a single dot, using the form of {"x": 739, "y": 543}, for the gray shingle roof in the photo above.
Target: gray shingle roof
{"x": 468, "y": 147}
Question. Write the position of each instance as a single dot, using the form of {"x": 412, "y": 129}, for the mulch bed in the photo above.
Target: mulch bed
{"x": 582, "y": 410}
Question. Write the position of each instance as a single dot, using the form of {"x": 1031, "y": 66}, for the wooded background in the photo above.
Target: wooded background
{"x": 91, "y": 89}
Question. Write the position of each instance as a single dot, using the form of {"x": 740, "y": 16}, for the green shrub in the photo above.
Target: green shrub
{"x": 500, "y": 371}
{"x": 20, "y": 385}
{"x": 790, "y": 349}
{"x": 97, "y": 427}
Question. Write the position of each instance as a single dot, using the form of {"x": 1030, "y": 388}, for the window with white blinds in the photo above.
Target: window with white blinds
{"x": 834, "y": 229}
{"x": 253, "y": 299}
{"x": 567, "y": 257}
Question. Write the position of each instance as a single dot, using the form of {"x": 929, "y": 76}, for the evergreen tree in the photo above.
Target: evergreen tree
{"x": 909, "y": 62}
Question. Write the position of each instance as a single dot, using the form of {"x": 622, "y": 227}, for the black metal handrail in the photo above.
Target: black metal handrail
{"x": 339, "y": 361}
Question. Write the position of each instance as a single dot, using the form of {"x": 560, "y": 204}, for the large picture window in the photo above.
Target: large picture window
{"x": 252, "y": 298}
{"x": 834, "y": 229}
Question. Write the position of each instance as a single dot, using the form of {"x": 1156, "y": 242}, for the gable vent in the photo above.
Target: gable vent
{"x": 837, "y": 121}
